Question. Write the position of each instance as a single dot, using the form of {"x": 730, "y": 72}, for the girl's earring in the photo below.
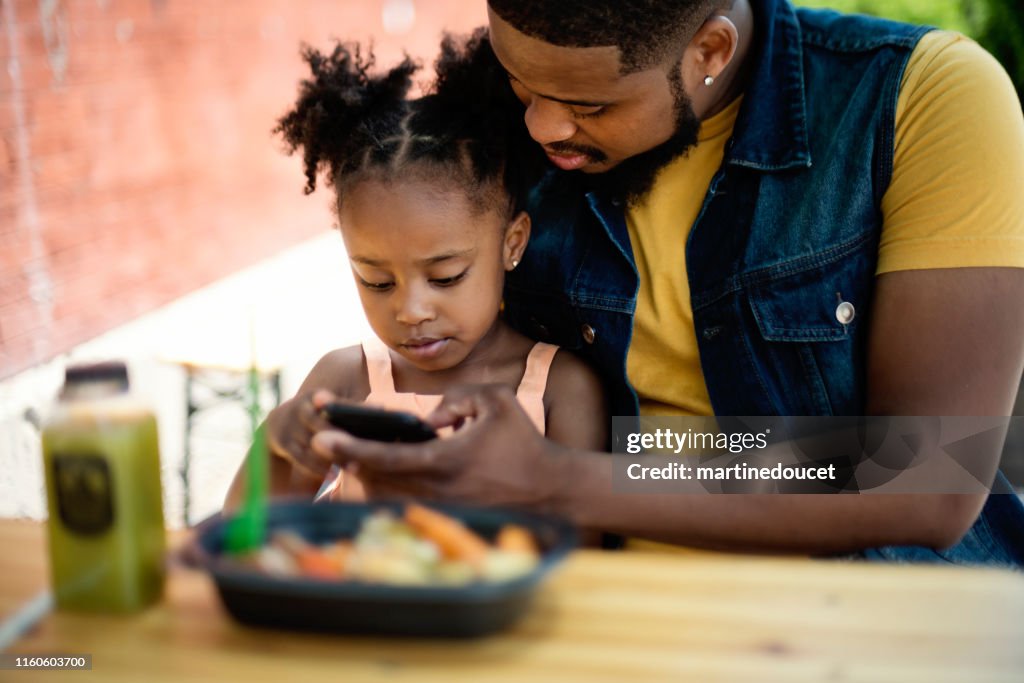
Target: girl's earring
{"x": 515, "y": 262}
{"x": 708, "y": 80}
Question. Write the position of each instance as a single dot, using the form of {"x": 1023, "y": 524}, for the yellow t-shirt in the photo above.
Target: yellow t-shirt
{"x": 956, "y": 199}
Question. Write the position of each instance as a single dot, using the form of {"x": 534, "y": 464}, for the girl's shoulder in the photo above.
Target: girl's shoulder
{"x": 570, "y": 376}
{"x": 342, "y": 372}
{"x": 576, "y": 412}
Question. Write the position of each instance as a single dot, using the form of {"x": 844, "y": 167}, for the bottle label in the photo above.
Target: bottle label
{"x": 84, "y": 492}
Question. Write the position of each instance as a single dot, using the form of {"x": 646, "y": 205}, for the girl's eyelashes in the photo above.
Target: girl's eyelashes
{"x": 437, "y": 282}
{"x": 375, "y": 286}
{"x": 449, "y": 281}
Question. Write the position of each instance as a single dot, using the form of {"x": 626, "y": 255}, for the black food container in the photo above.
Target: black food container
{"x": 348, "y": 606}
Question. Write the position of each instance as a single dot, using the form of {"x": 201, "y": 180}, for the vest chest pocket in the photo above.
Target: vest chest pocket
{"x": 809, "y": 307}
{"x": 809, "y": 346}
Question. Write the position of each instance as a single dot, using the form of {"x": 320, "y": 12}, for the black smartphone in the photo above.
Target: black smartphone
{"x": 377, "y": 424}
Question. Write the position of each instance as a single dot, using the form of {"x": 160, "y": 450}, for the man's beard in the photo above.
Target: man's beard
{"x": 632, "y": 178}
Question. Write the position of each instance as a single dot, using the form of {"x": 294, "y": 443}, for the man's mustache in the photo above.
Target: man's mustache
{"x": 567, "y": 148}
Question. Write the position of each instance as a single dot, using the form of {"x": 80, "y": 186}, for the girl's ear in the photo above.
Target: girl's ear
{"x": 517, "y": 234}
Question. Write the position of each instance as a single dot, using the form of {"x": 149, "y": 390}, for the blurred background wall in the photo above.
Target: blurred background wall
{"x": 136, "y": 161}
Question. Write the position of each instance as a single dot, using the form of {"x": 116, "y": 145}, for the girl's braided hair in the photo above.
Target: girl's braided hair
{"x": 467, "y": 129}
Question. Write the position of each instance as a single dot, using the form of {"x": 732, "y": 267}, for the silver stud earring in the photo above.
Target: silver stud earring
{"x": 514, "y": 264}
{"x": 708, "y": 80}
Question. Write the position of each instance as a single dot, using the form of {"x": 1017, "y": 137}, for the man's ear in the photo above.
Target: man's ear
{"x": 517, "y": 234}
{"x": 709, "y": 52}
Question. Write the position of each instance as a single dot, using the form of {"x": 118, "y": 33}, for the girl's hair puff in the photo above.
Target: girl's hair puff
{"x": 468, "y": 128}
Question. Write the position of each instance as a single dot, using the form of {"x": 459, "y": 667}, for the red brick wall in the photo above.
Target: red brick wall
{"x": 136, "y": 161}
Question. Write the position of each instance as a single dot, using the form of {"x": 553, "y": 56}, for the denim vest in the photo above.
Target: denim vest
{"x": 788, "y": 230}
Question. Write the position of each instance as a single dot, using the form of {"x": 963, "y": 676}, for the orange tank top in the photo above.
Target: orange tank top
{"x": 530, "y": 395}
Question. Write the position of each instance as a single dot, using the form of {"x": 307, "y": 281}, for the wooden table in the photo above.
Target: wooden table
{"x": 602, "y": 617}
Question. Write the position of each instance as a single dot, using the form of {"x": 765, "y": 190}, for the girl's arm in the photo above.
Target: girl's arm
{"x": 294, "y": 469}
{"x": 576, "y": 412}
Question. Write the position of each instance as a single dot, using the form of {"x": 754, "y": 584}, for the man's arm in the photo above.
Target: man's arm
{"x": 942, "y": 342}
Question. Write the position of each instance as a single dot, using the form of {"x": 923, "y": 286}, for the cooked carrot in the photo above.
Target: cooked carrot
{"x": 455, "y": 541}
{"x": 340, "y": 553}
{"x": 309, "y": 559}
{"x": 317, "y": 564}
{"x": 516, "y": 539}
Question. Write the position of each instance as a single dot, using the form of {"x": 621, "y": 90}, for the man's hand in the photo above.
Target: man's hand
{"x": 495, "y": 457}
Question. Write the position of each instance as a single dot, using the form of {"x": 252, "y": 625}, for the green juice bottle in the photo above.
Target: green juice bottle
{"x": 102, "y": 461}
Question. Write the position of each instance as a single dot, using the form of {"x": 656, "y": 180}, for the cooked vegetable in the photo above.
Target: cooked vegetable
{"x": 503, "y": 565}
{"x": 423, "y": 547}
{"x": 277, "y": 562}
{"x": 516, "y": 539}
{"x": 340, "y": 553}
{"x": 451, "y": 536}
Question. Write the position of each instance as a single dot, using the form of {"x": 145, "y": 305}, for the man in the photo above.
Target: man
{"x": 756, "y": 211}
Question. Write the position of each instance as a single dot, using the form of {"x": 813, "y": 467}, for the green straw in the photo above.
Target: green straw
{"x": 246, "y": 531}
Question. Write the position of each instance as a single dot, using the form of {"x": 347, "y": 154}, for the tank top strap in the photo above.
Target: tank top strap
{"x": 535, "y": 380}
{"x": 378, "y": 367}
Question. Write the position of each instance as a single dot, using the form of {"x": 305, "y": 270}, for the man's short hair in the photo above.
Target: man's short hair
{"x": 645, "y": 31}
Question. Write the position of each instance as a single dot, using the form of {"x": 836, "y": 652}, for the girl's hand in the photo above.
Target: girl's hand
{"x": 290, "y": 430}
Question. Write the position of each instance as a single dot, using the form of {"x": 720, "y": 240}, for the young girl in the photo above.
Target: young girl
{"x": 430, "y": 196}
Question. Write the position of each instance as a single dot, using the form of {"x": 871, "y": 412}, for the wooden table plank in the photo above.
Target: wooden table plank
{"x": 602, "y": 617}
